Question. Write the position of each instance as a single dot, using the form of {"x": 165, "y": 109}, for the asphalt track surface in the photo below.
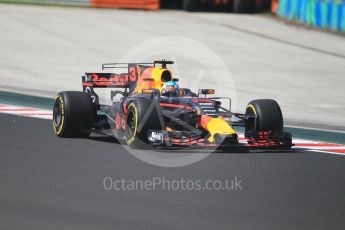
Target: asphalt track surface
{"x": 53, "y": 183}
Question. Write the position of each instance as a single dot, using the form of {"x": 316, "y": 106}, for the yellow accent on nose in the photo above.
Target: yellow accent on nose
{"x": 218, "y": 126}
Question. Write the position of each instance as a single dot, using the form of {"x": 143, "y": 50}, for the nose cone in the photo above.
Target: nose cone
{"x": 216, "y": 125}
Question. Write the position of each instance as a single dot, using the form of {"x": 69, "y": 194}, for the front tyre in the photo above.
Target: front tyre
{"x": 73, "y": 114}
{"x": 133, "y": 135}
{"x": 266, "y": 116}
{"x": 142, "y": 115}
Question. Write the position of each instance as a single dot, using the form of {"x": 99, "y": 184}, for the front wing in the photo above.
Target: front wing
{"x": 262, "y": 140}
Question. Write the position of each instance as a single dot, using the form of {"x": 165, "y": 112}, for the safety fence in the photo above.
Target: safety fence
{"x": 328, "y": 14}
{"x": 130, "y": 4}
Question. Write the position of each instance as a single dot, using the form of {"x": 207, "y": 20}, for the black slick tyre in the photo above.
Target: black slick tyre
{"x": 141, "y": 116}
{"x": 267, "y": 116}
{"x": 73, "y": 114}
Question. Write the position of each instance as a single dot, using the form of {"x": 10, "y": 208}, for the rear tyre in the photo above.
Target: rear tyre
{"x": 73, "y": 114}
{"x": 142, "y": 115}
{"x": 267, "y": 116}
{"x": 191, "y": 5}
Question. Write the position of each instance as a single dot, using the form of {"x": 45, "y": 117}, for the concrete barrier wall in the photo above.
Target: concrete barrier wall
{"x": 329, "y": 14}
{"x": 136, "y": 4}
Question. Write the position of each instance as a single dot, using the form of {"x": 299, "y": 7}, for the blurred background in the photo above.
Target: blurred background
{"x": 317, "y": 13}
{"x": 290, "y": 50}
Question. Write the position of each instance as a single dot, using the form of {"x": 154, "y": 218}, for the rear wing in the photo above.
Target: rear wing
{"x": 111, "y": 80}
{"x": 118, "y": 80}
{"x": 105, "y": 80}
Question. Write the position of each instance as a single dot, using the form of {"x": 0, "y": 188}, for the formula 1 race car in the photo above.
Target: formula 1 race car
{"x": 152, "y": 110}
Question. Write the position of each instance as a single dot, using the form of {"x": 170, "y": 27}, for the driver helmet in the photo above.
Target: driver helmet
{"x": 170, "y": 89}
